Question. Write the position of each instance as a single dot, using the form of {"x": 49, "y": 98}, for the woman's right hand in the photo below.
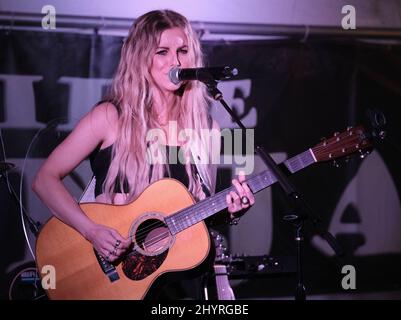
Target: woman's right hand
{"x": 108, "y": 242}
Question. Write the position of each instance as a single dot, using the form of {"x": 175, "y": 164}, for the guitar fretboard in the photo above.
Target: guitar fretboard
{"x": 187, "y": 217}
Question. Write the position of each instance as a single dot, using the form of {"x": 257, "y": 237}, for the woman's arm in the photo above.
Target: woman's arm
{"x": 93, "y": 129}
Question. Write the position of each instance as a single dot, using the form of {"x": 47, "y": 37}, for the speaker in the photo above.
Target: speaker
{"x": 25, "y": 283}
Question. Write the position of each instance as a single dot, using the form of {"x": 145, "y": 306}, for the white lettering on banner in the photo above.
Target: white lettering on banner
{"x": 228, "y": 89}
{"x": 380, "y": 218}
{"x": 348, "y": 21}
{"x": 19, "y": 101}
{"x": 84, "y": 94}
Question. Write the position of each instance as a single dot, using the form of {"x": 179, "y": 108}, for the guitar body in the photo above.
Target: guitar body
{"x": 155, "y": 252}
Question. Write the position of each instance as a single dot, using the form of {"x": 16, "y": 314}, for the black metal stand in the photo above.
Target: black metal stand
{"x": 302, "y": 210}
{"x": 33, "y": 226}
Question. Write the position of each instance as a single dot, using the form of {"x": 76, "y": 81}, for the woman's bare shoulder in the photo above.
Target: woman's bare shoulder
{"x": 103, "y": 118}
{"x": 105, "y": 112}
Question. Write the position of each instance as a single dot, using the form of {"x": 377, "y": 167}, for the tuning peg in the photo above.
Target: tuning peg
{"x": 350, "y": 131}
{"x": 335, "y": 164}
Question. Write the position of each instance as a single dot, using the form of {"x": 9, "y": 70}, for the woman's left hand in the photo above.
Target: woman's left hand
{"x": 241, "y": 199}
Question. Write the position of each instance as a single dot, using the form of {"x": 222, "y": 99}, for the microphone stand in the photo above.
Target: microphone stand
{"x": 302, "y": 212}
{"x": 33, "y": 226}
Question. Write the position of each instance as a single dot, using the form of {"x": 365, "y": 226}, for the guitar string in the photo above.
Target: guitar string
{"x": 219, "y": 198}
{"x": 155, "y": 239}
{"x": 162, "y": 236}
{"x": 152, "y": 226}
{"x": 201, "y": 205}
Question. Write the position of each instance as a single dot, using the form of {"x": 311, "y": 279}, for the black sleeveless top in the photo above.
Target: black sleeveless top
{"x": 100, "y": 160}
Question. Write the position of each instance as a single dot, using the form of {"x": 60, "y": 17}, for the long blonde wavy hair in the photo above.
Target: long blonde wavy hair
{"x": 132, "y": 95}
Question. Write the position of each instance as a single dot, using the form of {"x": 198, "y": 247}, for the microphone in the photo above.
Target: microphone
{"x": 202, "y": 74}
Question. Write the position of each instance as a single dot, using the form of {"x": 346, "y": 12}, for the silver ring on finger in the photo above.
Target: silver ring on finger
{"x": 118, "y": 242}
{"x": 244, "y": 200}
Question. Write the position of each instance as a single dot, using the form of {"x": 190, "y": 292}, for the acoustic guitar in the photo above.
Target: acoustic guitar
{"x": 166, "y": 228}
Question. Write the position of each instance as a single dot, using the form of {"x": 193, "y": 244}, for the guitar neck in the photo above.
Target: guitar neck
{"x": 187, "y": 217}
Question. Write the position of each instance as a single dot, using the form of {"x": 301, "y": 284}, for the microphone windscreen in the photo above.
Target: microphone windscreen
{"x": 173, "y": 75}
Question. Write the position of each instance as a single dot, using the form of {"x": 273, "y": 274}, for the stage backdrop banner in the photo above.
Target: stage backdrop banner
{"x": 291, "y": 94}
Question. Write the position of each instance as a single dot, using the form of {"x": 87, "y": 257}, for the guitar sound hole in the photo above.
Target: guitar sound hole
{"x": 152, "y": 236}
{"x": 152, "y": 241}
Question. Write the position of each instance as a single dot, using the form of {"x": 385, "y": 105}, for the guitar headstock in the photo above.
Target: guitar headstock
{"x": 353, "y": 140}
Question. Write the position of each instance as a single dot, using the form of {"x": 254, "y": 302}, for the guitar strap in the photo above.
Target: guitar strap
{"x": 89, "y": 193}
{"x": 201, "y": 169}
